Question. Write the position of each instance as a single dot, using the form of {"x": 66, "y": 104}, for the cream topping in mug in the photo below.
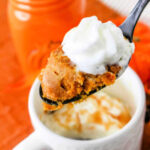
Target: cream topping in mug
{"x": 98, "y": 116}
{"x": 93, "y": 45}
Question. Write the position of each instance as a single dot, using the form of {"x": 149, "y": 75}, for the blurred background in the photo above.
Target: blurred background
{"x": 30, "y": 30}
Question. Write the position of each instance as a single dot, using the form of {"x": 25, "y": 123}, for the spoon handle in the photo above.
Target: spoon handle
{"x": 129, "y": 24}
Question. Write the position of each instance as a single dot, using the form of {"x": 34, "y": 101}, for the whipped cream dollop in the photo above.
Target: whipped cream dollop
{"x": 98, "y": 116}
{"x": 93, "y": 45}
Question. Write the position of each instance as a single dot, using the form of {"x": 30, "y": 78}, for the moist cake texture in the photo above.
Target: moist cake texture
{"x": 97, "y": 116}
{"x": 61, "y": 81}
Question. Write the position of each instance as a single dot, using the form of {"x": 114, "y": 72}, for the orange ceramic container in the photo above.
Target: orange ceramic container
{"x": 38, "y": 26}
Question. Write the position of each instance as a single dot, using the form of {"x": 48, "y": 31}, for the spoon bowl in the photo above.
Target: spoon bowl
{"x": 127, "y": 28}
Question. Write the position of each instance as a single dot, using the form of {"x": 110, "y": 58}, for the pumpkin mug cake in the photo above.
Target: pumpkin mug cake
{"x": 90, "y": 57}
{"x": 99, "y": 115}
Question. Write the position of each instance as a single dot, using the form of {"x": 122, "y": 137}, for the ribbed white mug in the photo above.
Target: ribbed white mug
{"x": 128, "y": 88}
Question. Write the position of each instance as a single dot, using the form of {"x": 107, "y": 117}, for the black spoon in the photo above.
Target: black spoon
{"x": 127, "y": 28}
{"x": 129, "y": 24}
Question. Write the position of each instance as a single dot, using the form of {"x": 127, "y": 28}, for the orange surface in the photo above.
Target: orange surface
{"x": 14, "y": 119}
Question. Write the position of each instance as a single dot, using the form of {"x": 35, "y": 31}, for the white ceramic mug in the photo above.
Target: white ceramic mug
{"x": 128, "y": 88}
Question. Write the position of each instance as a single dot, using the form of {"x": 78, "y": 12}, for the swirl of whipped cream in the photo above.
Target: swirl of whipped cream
{"x": 93, "y": 45}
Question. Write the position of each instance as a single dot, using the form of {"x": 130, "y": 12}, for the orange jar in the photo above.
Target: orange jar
{"x": 38, "y": 26}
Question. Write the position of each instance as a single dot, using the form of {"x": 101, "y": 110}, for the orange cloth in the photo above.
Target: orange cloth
{"x": 14, "y": 119}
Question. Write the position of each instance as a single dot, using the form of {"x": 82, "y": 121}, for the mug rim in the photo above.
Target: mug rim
{"x": 38, "y": 124}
